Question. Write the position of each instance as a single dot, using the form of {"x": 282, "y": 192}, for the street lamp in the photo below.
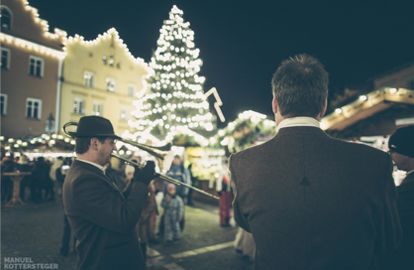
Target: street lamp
{"x": 50, "y": 124}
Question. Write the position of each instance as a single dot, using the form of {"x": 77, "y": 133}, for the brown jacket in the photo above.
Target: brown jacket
{"x": 314, "y": 202}
{"x": 103, "y": 218}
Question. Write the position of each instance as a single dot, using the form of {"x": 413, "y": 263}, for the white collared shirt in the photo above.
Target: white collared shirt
{"x": 300, "y": 121}
{"x": 102, "y": 168}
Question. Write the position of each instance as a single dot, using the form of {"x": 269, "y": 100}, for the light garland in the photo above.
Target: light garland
{"x": 20, "y": 145}
{"x": 58, "y": 34}
{"x": 365, "y": 102}
{"x": 225, "y": 136}
{"x": 108, "y": 35}
{"x": 31, "y": 46}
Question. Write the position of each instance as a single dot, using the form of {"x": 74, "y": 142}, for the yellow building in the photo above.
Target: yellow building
{"x": 100, "y": 77}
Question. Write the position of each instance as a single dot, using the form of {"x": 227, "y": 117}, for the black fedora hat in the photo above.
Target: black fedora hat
{"x": 402, "y": 141}
{"x": 93, "y": 126}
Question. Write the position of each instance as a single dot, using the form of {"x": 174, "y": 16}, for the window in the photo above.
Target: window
{"x": 79, "y": 106}
{"x": 111, "y": 61}
{"x": 131, "y": 90}
{"x": 36, "y": 66}
{"x": 5, "y": 58}
{"x": 5, "y": 18}
{"x": 89, "y": 79}
{"x": 124, "y": 115}
{"x": 110, "y": 84}
{"x": 33, "y": 108}
{"x": 97, "y": 108}
{"x": 3, "y": 104}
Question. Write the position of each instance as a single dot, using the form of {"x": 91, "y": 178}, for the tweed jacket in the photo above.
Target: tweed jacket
{"x": 103, "y": 218}
{"x": 314, "y": 202}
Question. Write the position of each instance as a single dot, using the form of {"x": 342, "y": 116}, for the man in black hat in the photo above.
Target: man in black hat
{"x": 401, "y": 146}
{"x": 102, "y": 217}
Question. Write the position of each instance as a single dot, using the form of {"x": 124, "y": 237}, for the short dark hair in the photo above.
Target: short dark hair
{"x": 300, "y": 85}
{"x": 82, "y": 144}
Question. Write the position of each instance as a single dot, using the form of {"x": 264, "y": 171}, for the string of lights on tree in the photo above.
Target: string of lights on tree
{"x": 175, "y": 104}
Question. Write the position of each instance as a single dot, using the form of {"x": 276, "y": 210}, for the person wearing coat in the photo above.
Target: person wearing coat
{"x": 312, "y": 201}
{"x": 179, "y": 172}
{"x": 173, "y": 212}
{"x": 101, "y": 216}
{"x": 401, "y": 147}
{"x": 223, "y": 188}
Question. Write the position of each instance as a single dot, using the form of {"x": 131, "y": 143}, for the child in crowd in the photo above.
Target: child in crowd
{"x": 173, "y": 212}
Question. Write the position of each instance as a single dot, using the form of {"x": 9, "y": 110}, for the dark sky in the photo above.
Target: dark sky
{"x": 242, "y": 42}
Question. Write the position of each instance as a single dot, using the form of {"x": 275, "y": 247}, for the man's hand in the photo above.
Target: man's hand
{"x": 146, "y": 174}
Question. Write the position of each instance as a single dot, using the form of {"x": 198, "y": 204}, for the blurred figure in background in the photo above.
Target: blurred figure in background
{"x": 143, "y": 227}
{"x": 190, "y": 201}
{"x": 56, "y": 165}
{"x": 40, "y": 175}
{"x": 179, "y": 172}
{"x": 223, "y": 188}
{"x": 24, "y": 166}
{"x": 7, "y": 165}
{"x": 173, "y": 212}
{"x": 401, "y": 147}
{"x": 61, "y": 173}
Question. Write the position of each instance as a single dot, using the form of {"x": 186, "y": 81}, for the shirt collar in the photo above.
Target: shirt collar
{"x": 301, "y": 121}
{"x": 102, "y": 168}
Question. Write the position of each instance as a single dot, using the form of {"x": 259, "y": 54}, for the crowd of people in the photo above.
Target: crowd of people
{"x": 44, "y": 178}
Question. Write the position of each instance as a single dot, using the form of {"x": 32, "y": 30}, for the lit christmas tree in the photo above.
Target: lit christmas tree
{"x": 175, "y": 105}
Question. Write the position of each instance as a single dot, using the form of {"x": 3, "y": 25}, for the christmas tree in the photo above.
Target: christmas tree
{"x": 175, "y": 105}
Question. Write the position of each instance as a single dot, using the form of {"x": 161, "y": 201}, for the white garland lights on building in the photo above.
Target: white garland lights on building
{"x": 176, "y": 104}
{"x": 108, "y": 35}
{"x": 58, "y": 35}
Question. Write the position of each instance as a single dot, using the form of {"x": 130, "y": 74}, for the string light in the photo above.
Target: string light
{"x": 31, "y": 46}
{"x": 110, "y": 35}
{"x": 367, "y": 101}
{"x": 175, "y": 103}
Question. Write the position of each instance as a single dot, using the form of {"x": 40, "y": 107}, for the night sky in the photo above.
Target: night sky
{"x": 242, "y": 42}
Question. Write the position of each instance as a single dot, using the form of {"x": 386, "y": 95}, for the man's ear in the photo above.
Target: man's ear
{"x": 325, "y": 106}
{"x": 93, "y": 143}
{"x": 275, "y": 105}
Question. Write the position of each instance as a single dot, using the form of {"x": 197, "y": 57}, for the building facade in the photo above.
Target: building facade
{"x": 31, "y": 60}
{"x": 100, "y": 77}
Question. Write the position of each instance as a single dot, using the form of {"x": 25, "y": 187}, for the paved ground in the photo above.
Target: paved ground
{"x": 33, "y": 232}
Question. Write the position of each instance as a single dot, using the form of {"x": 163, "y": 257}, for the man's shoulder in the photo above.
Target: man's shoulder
{"x": 338, "y": 146}
{"x": 357, "y": 148}
{"x": 82, "y": 174}
{"x": 251, "y": 151}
